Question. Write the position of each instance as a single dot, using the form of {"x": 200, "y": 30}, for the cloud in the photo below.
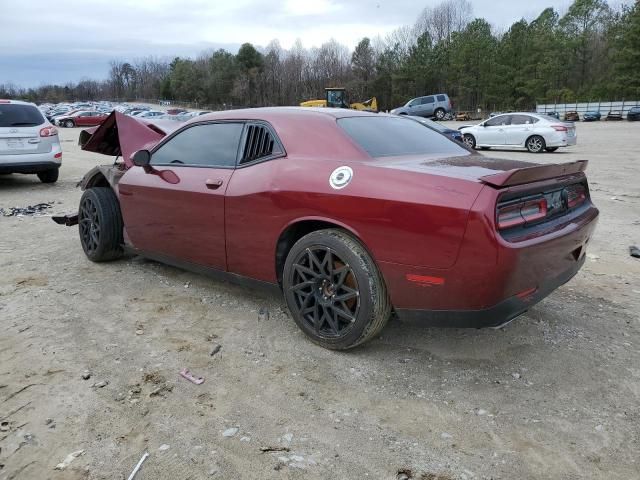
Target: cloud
{"x": 65, "y": 41}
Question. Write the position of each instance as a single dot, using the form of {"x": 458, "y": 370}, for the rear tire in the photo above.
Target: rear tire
{"x": 535, "y": 144}
{"x": 439, "y": 113}
{"x": 551, "y": 149}
{"x": 334, "y": 290}
{"x": 69, "y": 123}
{"x": 469, "y": 140}
{"x": 100, "y": 224}
{"x": 49, "y": 176}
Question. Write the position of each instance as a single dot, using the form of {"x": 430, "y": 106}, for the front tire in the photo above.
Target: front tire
{"x": 535, "y": 144}
{"x": 469, "y": 140}
{"x": 100, "y": 224}
{"x": 49, "y": 176}
{"x": 69, "y": 123}
{"x": 334, "y": 290}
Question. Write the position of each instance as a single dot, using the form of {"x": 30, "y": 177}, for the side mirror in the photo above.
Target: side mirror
{"x": 141, "y": 158}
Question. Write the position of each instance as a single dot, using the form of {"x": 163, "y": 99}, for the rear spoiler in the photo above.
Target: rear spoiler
{"x": 521, "y": 176}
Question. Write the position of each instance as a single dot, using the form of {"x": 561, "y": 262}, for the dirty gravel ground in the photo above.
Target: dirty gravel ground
{"x": 556, "y": 394}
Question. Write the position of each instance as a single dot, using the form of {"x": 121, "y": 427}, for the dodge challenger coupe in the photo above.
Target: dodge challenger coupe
{"x": 352, "y": 215}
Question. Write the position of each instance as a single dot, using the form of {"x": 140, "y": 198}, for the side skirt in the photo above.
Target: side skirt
{"x": 219, "y": 275}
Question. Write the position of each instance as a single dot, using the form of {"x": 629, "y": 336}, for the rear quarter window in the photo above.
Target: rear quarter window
{"x": 16, "y": 115}
{"x": 442, "y": 98}
{"x": 392, "y": 136}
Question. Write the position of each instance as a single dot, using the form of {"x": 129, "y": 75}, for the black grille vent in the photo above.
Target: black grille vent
{"x": 259, "y": 144}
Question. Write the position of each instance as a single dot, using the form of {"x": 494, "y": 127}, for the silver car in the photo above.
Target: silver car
{"x": 436, "y": 106}
{"x": 534, "y": 131}
{"x": 28, "y": 142}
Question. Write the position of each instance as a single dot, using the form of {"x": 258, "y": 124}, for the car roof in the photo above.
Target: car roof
{"x": 15, "y": 102}
{"x": 304, "y": 131}
{"x": 271, "y": 113}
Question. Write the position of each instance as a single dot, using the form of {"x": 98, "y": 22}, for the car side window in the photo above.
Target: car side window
{"x": 206, "y": 145}
{"x": 520, "y": 119}
{"x": 426, "y": 100}
{"x": 498, "y": 121}
{"x": 414, "y": 102}
{"x": 442, "y": 98}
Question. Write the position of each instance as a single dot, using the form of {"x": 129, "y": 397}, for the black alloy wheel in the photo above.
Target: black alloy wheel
{"x": 326, "y": 291}
{"x": 100, "y": 224}
{"x": 334, "y": 290}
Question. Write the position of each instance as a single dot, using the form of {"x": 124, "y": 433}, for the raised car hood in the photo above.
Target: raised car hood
{"x": 474, "y": 167}
{"x": 120, "y": 135}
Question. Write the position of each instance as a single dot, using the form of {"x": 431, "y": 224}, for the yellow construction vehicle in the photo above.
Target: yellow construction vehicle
{"x": 337, "y": 98}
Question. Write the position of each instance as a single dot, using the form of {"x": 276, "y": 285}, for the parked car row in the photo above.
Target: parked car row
{"x": 594, "y": 115}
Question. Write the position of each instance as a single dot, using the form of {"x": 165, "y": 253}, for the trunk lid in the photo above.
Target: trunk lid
{"x": 496, "y": 172}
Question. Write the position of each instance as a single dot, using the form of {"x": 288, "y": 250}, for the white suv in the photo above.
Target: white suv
{"x": 28, "y": 141}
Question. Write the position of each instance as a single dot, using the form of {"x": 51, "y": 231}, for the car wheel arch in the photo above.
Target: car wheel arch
{"x": 298, "y": 228}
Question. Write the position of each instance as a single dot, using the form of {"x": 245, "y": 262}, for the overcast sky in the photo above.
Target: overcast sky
{"x": 60, "y": 41}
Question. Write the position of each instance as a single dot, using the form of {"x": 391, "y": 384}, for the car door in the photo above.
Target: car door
{"x": 83, "y": 119}
{"x": 177, "y": 210}
{"x": 493, "y": 131}
{"x": 427, "y": 106}
{"x": 519, "y": 129}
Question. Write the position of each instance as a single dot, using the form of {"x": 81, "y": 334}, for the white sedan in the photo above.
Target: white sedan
{"x": 533, "y": 131}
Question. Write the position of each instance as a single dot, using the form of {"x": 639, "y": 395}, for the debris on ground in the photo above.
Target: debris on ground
{"x": 86, "y": 375}
{"x": 138, "y": 465}
{"x": 263, "y": 315}
{"x": 36, "y": 209}
{"x": 634, "y": 251}
{"x": 216, "y": 349}
{"x": 100, "y": 384}
{"x": 68, "y": 459}
{"x": 185, "y": 373}
{"x": 164, "y": 447}
{"x": 274, "y": 449}
{"x": 404, "y": 474}
{"x": 230, "y": 432}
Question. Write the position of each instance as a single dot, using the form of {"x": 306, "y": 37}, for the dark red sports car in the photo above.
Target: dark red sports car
{"x": 352, "y": 215}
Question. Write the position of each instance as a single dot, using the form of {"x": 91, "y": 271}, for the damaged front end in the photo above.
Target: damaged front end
{"x": 118, "y": 136}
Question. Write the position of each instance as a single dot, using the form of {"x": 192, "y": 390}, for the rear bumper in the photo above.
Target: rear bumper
{"x": 561, "y": 139}
{"x": 28, "y": 167}
{"x": 494, "y": 316}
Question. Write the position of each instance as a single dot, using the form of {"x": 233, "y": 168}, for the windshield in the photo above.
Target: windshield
{"x": 16, "y": 115}
{"x": 393, "y": 136}
{"x": 548, "y": 117}
{"x": 429, "y": 123}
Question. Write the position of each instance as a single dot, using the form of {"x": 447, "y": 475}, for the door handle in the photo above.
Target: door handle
{"x": 213, "y": 184}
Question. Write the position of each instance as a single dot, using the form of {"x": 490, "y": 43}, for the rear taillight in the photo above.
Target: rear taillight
{"x": 48, "y": 131}
{"x": 559, "y": 128}
{"x": 521, "y": 212}
{"x": 58, "y": 155}
{"x": 576, "y": 195}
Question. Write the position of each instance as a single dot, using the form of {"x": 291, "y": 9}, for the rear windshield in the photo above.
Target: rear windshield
{"x": 15, "y": 115}
{"x": 391, "y": 136}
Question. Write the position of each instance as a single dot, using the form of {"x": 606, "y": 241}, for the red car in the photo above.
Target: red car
{"x": 81, "y": 118}
{"x": 352, "y": 215}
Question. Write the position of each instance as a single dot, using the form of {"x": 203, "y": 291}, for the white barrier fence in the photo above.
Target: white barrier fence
{"x": 603, "y": 107}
